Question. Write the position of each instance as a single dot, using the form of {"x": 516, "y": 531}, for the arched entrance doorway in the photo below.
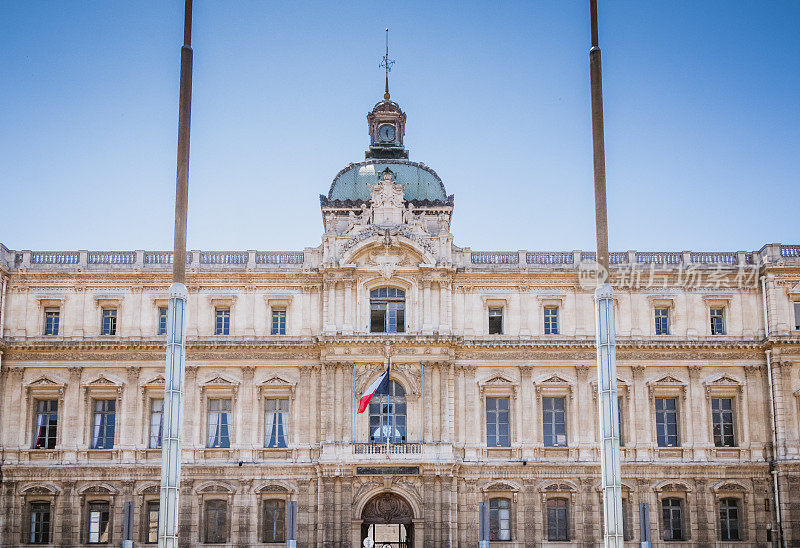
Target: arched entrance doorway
{"x": 388, "y": 522}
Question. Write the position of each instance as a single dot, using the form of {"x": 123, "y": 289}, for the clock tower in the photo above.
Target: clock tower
{"x": 387, "y": 125}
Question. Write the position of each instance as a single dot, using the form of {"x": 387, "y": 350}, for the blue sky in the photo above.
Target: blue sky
{"x": 701, "y": 103}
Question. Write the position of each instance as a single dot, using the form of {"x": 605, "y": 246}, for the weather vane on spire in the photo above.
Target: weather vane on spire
{"x": 387, "y": 63}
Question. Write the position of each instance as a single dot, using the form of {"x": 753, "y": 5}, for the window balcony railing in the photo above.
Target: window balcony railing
{"x": 405, "y": 448}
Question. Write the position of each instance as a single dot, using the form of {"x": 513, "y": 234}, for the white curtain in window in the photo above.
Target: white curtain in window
{"x": 156, "y": 423}
{"x": 213, "y": 428}
{"x": 98, "y": 422}
{"x": 41, "y": 429}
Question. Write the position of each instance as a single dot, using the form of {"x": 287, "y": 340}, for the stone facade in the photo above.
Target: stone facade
{"x": 449, "y": 365}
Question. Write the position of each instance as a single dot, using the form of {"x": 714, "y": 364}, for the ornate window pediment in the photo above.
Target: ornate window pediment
{"x": 728, "y": 486}
{"x": 557, "y": 487}
{"x": 220, "y": 381}
{"x": 97, "y": 489}
{"x": 273, "y": 488}
{"x": 723, "y": 385}
{"x": 40, "y": 489}
{"x": 553, "y": 385}
{"x": 214, "y": 488}
{"x": 277, "y": 384}
{"x": 44, "y": 385}
{"x": 671, "y": 486}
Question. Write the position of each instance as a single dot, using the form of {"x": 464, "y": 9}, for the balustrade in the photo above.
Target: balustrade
{"x": 279, "y": 257}
{"x": 495, "y": 257}
{"x": 549, "y": 257}
{"x": 112, "y": 257}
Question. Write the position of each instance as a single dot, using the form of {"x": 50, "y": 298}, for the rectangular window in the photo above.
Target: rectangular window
{"x": 40, "y": 523}
{"x": 162, "y": 320}
{"x": 499, "y": 519}
{"x": 387, "y": 310}
{"x": 495, "y": 321}
{"x": 667, "y": 422}
{"x": 672, "y": 517}
{"x": 722, "y": 416}
{"x": 619, "y": 413}
{"x": 223, "y": 321}
{"x": 279, "y": 321}
{"x": 276, "y": 432}
{"x": 46, "y": 424}
{"x": 152, "y": 521}
{"x": 109, "y": 321}
{"x": 662, "y": 321}
{"x": 219, "y": 423}
{"x": 497, "y": 422}
{"x": 98, "y": 522}
{"x": 717, "y": 321}
{"x": 156, "y": 422}
{"x": 104, "y": 424}
{"x": 274, "y": 521}
{"x": 554, "y": 422}
{"x": 729, "y": 519}
{"x": 216, "y": 522}
{"x": 51, "y": 319}
{"x": 551, "y": 320}
{"x": 797, "y": 315}
{"x": 557, "y": 520}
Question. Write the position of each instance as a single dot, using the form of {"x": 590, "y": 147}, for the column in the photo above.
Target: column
{"x": 698, "y": 412}
{"x": 524, "y": 311}
{"x": 71, "y": 437}
{"x": 443, "y": 309}
{"x": 305, "y": 320}
{"x": 641, "y": 420}
{"x": 348, "y": 321}
{"x": 250, "y": 407}
{"x": 426, "y": 307}
{"x": 526, "y": 397}
{"x": 130, "y": 413}
{"x": 426, "y": 405}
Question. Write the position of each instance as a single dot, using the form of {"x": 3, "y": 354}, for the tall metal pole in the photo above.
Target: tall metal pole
{"x": 604, "y": 315}
{"x": 176, "y": 314}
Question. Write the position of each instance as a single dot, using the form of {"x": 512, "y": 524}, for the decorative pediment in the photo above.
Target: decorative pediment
{"x": 558, "y": 487}
{"x": 40, "y": 489}
{"x": 728, "y": 486}
{"x": 666, "y": 380}
{"x": 45, "y": 383}
{"x": 158, "y": 380}
{"x": 154, "y": 489}
{"x": 220, "y": 381}
{"x": 97, "y": 489}
{"x": 553, "y": 380}
{"x": 500, "y": 486}
{"x": 671, "y": 485}
{"x": 722, "y": 380}
{"x": 277, "y": 383}
{"x": 102, "y": 380}
{"x": 497, "y": 380}
{"x": 214, "y": 488}
{"x": 272, "y": 488}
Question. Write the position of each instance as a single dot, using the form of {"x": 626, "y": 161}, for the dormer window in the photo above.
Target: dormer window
{"x": 387, "y": 310}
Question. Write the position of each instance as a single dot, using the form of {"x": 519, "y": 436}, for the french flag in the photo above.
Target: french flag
{"x": 379, "y": 386}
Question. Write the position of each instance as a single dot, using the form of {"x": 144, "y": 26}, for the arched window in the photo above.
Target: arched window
{"x": 387, "y": 310}
{"x": 387, "y": 415}
{"x": 216, "y": 522}
{"x": 729, "y": 519}
{"x": 499, "y": 519}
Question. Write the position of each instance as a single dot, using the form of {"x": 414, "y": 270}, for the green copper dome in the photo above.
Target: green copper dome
{"x": 422, "y": 184}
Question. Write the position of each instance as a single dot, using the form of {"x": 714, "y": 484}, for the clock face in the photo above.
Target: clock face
{"x": 386, "y": 133}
